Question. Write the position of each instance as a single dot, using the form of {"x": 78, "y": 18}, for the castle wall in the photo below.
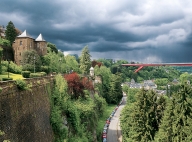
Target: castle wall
{"x": 21, "y": 45}
{"x": 25, "y": 115}
{"x": 41, "y": 47}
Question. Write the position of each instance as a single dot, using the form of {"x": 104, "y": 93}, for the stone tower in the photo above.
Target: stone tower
{"x": 25, "y": 42}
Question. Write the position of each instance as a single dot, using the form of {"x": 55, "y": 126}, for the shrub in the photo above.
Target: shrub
{"x": 12, "y": 67}
{"x": 6, "y": 78}
{"x": 26, "y": 74}
{"x": 43, "y": 73}
{"x": 21, "y": 84}
{"x": 45, "y": 69}
{"x": 35, "y": 75}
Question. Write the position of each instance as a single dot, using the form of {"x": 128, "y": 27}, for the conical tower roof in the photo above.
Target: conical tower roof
{"x": 24, "y": 34}
{"x": 40, "y": 38}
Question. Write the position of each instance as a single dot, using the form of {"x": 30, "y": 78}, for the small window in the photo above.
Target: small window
{"x": 31, "y": 44}
{"x": 37, "y": 44}
{"x": 20, "y": 53}
{"x": 21, "y": 42}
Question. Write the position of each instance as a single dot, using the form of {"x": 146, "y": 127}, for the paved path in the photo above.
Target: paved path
{"x": 114, "y": 130}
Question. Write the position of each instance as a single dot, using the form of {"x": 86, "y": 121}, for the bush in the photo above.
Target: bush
{"x": 28, "y": 67}
{"x": 45, "y": 69}
{"x": 43, "y": 73}
{"x": 21, "y": 84}
{"x": 35, "y": 75}
{"x": 13, "y": 68}
{"x": 6, "y": 78}
{"x": 26, "y": 74}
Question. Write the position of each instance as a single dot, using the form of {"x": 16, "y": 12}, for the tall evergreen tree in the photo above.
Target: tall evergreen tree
{"x": 182, "y": 127}
{"x": 144, "y": 124}
{"x": 177, "y": 121}
{"x": 165, "y": 133}
{"x": 10, "y": 32}
{"x": 85, "y": 60}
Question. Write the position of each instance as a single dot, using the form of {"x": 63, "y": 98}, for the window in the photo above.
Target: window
{"x": 20, "y": 53}
{"x": 30, "y": 44}
{"x": 37, "y": 44}
{"x": 21, "y": 42}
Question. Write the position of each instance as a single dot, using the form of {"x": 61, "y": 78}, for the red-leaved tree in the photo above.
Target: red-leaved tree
{"x": 88, "y": 84}
{"x": 94, "y": 63}
{"x": 76, "y": 85}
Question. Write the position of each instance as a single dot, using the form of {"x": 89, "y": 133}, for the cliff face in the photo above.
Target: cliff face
{"x": 24, "y": 115}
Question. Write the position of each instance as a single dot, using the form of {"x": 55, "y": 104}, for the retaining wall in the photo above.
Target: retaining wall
{"x": 25, "y": 115}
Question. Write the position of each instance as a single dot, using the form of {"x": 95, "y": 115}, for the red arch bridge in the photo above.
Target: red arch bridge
{"x": 140, "y": 66}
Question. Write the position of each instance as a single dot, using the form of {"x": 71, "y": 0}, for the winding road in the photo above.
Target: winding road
{"x": 114, "y": 130}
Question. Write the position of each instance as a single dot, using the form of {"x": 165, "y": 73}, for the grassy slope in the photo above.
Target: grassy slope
{"x": 12, "y": 75}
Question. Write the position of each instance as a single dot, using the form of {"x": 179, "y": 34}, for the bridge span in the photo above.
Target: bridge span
{"x": 140, "y": 65}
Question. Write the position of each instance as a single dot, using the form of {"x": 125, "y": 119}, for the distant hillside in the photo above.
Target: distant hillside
{"x": 184, "y": 69}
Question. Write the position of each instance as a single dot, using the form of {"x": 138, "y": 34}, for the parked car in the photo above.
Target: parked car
{"x": 104, "y": 131}
{"x": 104, "y": 139}
{"x": 109, "y": 119}
{"x": 105, "y": 128}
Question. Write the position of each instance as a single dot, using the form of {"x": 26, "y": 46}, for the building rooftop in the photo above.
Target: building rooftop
{"x": 40, "y": 38}
{"x": 24, "y": 34}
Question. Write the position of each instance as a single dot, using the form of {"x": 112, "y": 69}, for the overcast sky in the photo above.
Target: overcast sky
{"x": 144, "y": 31}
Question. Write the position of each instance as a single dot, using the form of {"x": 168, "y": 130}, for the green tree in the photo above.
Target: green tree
{"x": 165, "y": 133}
{"x": 115, "y": 92}
{"x": 53, "y": 47}
{"x": 10, "y": 32}
{"x": 106, "y": 77}
{"x": 71, "y": 64}
{"x": 142, "y": 118}
{"x": 5, "y": 42}
{"x": 85, "y": 60}
{"x": 177, "y": 121}
{"x": 184, "y": 77}
{"x": 55, "y": 62}
{"x": 31, "y": 61}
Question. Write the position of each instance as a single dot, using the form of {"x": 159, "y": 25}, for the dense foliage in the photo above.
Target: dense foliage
{"x": 77, "y": 85}
{"x": 85, "y": 60}
{"x": 111, "y": 85}
{"x": 10, "y": 32}
{"x": 151, "y": 117}
{"x": 31, "y": 61}
{"x": 5, "y": 42}
{"x": 52, "y": 47}
{"x": 74, "y": 120}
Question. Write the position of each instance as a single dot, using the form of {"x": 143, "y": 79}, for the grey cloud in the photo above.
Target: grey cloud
{"x": 141, "y": 30}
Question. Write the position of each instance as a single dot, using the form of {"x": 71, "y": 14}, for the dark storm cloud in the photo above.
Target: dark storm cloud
{"x": 143, "y": 30}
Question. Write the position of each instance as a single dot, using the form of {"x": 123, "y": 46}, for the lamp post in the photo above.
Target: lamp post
{"x": 169, "y": 90}
{"x": 60, "y": 65}
{"x": 34, "y": 63}
{"x": 8, "y": 67}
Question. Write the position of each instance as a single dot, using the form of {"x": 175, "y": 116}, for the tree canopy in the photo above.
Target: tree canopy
{"x": 85, "y": 60}
{"x": 53, "y": 47}
{"x": 10, "y": 32}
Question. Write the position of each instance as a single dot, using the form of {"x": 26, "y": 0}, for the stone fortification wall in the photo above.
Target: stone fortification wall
{"x": 25, "y": 115}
